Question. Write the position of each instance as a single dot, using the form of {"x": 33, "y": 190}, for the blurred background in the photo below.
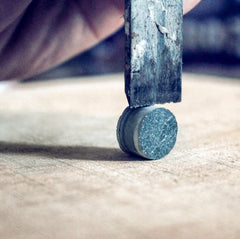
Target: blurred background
{"x": 211, "y": 46}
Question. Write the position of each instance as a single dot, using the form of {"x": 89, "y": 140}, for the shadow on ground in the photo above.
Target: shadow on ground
{"x": 67, "y": 152}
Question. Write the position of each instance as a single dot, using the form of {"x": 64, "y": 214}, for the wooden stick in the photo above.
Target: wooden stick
{"x": 153, "y": 64}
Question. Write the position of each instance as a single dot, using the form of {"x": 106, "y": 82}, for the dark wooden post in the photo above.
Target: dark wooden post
{"x": 153, "y": 61}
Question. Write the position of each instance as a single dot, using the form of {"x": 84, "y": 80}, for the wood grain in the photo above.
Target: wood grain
{"x": 63, "y": 176}
{"x": 153, "y": 69}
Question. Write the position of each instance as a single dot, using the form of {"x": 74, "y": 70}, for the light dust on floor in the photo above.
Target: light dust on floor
{"x": 62, "y": 174}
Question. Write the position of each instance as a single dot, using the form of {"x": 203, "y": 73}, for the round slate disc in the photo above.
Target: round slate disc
{"x": 149, "y": 132}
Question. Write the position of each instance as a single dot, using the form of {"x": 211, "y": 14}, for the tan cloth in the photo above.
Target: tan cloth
{"x": 63, "y": 176}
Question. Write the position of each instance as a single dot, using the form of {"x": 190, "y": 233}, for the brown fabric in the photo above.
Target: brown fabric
{"x": 63, "y": 176}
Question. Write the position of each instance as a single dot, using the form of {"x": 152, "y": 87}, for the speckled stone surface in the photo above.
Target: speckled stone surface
{"x": 157, "y": 133}
{"x": 149, "y": 132}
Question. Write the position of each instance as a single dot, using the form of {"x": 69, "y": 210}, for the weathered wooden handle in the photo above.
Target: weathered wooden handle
{"x": 153, "y": 60}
